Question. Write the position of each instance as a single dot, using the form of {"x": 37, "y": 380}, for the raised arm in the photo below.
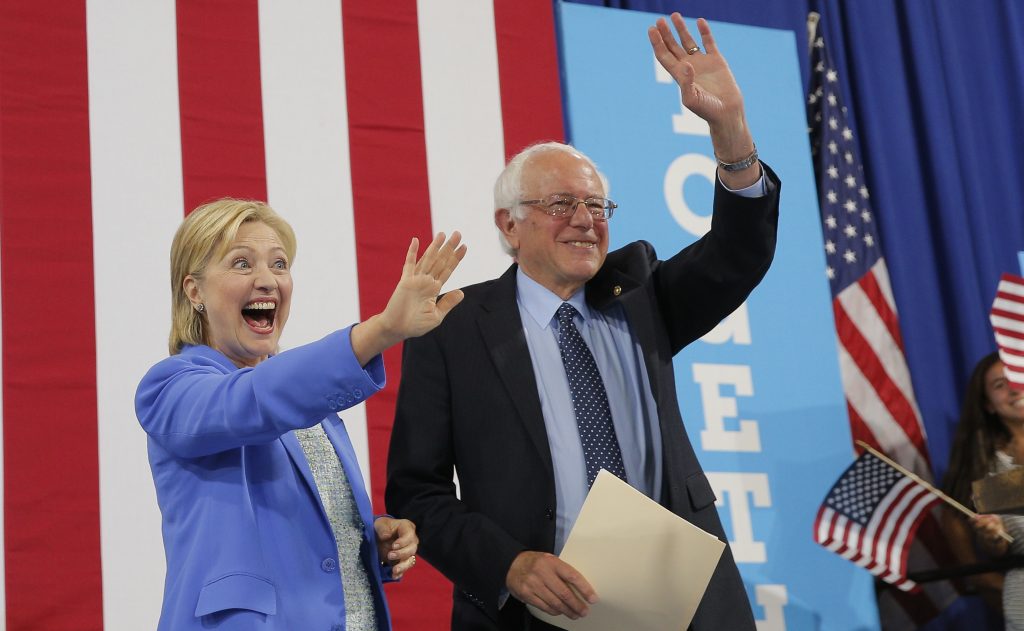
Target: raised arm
{"x": 708, "y": 90}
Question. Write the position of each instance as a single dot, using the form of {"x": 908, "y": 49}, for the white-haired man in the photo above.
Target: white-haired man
{"x": 563, "y": 366}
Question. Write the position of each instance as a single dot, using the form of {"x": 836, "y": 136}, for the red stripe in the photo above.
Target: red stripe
{"x": 832, "y": 537}
{"x": 817, "y": 526}
{"x": 1011, "y": 354}
{"x": 51, "y": 480}
{"x": 1012, "y": 279}
{"x": 869, "y": 284}
{"x": 531, "y": 95}
{"x": 870, "y": 366}
{"x": 1011, "y": 297}
{"x": 387, "y": 147}
{"x": 847, "y": 543}
{"x": 221, "y": 101}
{"x": 1009, "y": 315}
{"x": 1008, "y": 333}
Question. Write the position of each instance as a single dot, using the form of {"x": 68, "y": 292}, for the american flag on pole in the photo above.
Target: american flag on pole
{"x": 880, "y": 398}
{"x": 1007, "y": 317}
{"x": 870, "y": 517}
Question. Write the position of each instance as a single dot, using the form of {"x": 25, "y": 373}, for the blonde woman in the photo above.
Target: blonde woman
{"x": 266, "y": 521}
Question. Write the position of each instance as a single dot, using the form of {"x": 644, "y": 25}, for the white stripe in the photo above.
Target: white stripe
{"x": 305, "y": 124}
{"x": 1014, "y": 376}
{"x": 1005, "y": 304}
{"x": 838, "y": 534}
{"x": 1011, "y": 361}
{"x": 137, "y": 205}
{"x": 999, "y": 322}
{"x": 463, "y": 128}
{"x": 852, "y": 541}
{"x": 868, "y": 564}
{"x": 881, "y": 274}
{"x": 864, "y": 400}
{"x": 1014, "y": 343}
{"x": 1011, "y": 287}
{"x": 871, "y": 326}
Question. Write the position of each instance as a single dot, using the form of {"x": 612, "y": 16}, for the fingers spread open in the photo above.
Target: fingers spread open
{"x": 444, "y": 258}
{"x": 453, "y": 253}
{"x": 669, "y": 39}
{"x": 429, "y": 258}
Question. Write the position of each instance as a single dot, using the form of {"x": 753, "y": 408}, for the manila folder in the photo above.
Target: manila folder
{"x": 648, "y": 566}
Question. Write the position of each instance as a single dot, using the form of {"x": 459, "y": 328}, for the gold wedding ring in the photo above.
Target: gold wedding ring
{"x": 691, "y": 51}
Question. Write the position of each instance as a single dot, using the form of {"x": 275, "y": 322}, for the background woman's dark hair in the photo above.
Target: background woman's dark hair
{"x": 978, "y": 434}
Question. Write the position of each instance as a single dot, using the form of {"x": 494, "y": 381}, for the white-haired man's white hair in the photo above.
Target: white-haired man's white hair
{"x": 508, "y": 188}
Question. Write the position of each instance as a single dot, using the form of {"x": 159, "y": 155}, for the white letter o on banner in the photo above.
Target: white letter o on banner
{"x": 676, "y": 175}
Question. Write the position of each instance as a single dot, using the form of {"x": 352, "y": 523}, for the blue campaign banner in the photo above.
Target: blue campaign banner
{"x": 761, "y": 394}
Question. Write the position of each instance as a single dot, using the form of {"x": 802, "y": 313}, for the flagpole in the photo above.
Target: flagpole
{"x": 934, "y": 491}
{"x": 812, "y": 28}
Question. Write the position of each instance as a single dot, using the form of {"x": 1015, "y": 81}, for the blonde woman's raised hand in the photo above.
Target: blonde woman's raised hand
{"x": 414, "y": 307}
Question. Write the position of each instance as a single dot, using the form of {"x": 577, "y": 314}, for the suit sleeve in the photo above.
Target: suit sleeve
{"x": 469, "y": 548}
{"x": 192, "y": 408}
{"x": 705, "y": 282}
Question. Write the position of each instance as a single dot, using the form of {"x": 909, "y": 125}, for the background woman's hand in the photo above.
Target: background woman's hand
{"x": 414, "y": 307}
{"x": 396, "y": 543}
{"x": 990, "y": 529}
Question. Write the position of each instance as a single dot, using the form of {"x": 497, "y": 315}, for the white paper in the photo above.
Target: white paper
{"x": 648, "y": 566}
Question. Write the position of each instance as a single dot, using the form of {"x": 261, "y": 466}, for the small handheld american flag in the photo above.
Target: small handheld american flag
{"x": 1007, "y": 317}
{"x": 870, "y": 517}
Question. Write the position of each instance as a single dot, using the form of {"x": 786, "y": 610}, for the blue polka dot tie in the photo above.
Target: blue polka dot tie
{"x": 589, "y": 400}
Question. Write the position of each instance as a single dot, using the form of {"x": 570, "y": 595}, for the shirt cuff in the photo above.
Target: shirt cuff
{"x": 757, "y": 189}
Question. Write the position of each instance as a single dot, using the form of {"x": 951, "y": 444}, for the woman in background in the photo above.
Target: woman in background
{"x": 989, "y": 439}
{"x": 266, "y": 521}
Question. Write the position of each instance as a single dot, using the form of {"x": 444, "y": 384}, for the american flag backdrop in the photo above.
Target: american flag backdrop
{"x": 880, "y": 398}
{"x": 364, "y": 123}
{"x": 870, "y": 517}
{"x": 1007, "y": 317}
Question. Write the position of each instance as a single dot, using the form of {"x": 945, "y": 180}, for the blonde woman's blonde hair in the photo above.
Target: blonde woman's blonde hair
{"x": 202, "y": 237}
